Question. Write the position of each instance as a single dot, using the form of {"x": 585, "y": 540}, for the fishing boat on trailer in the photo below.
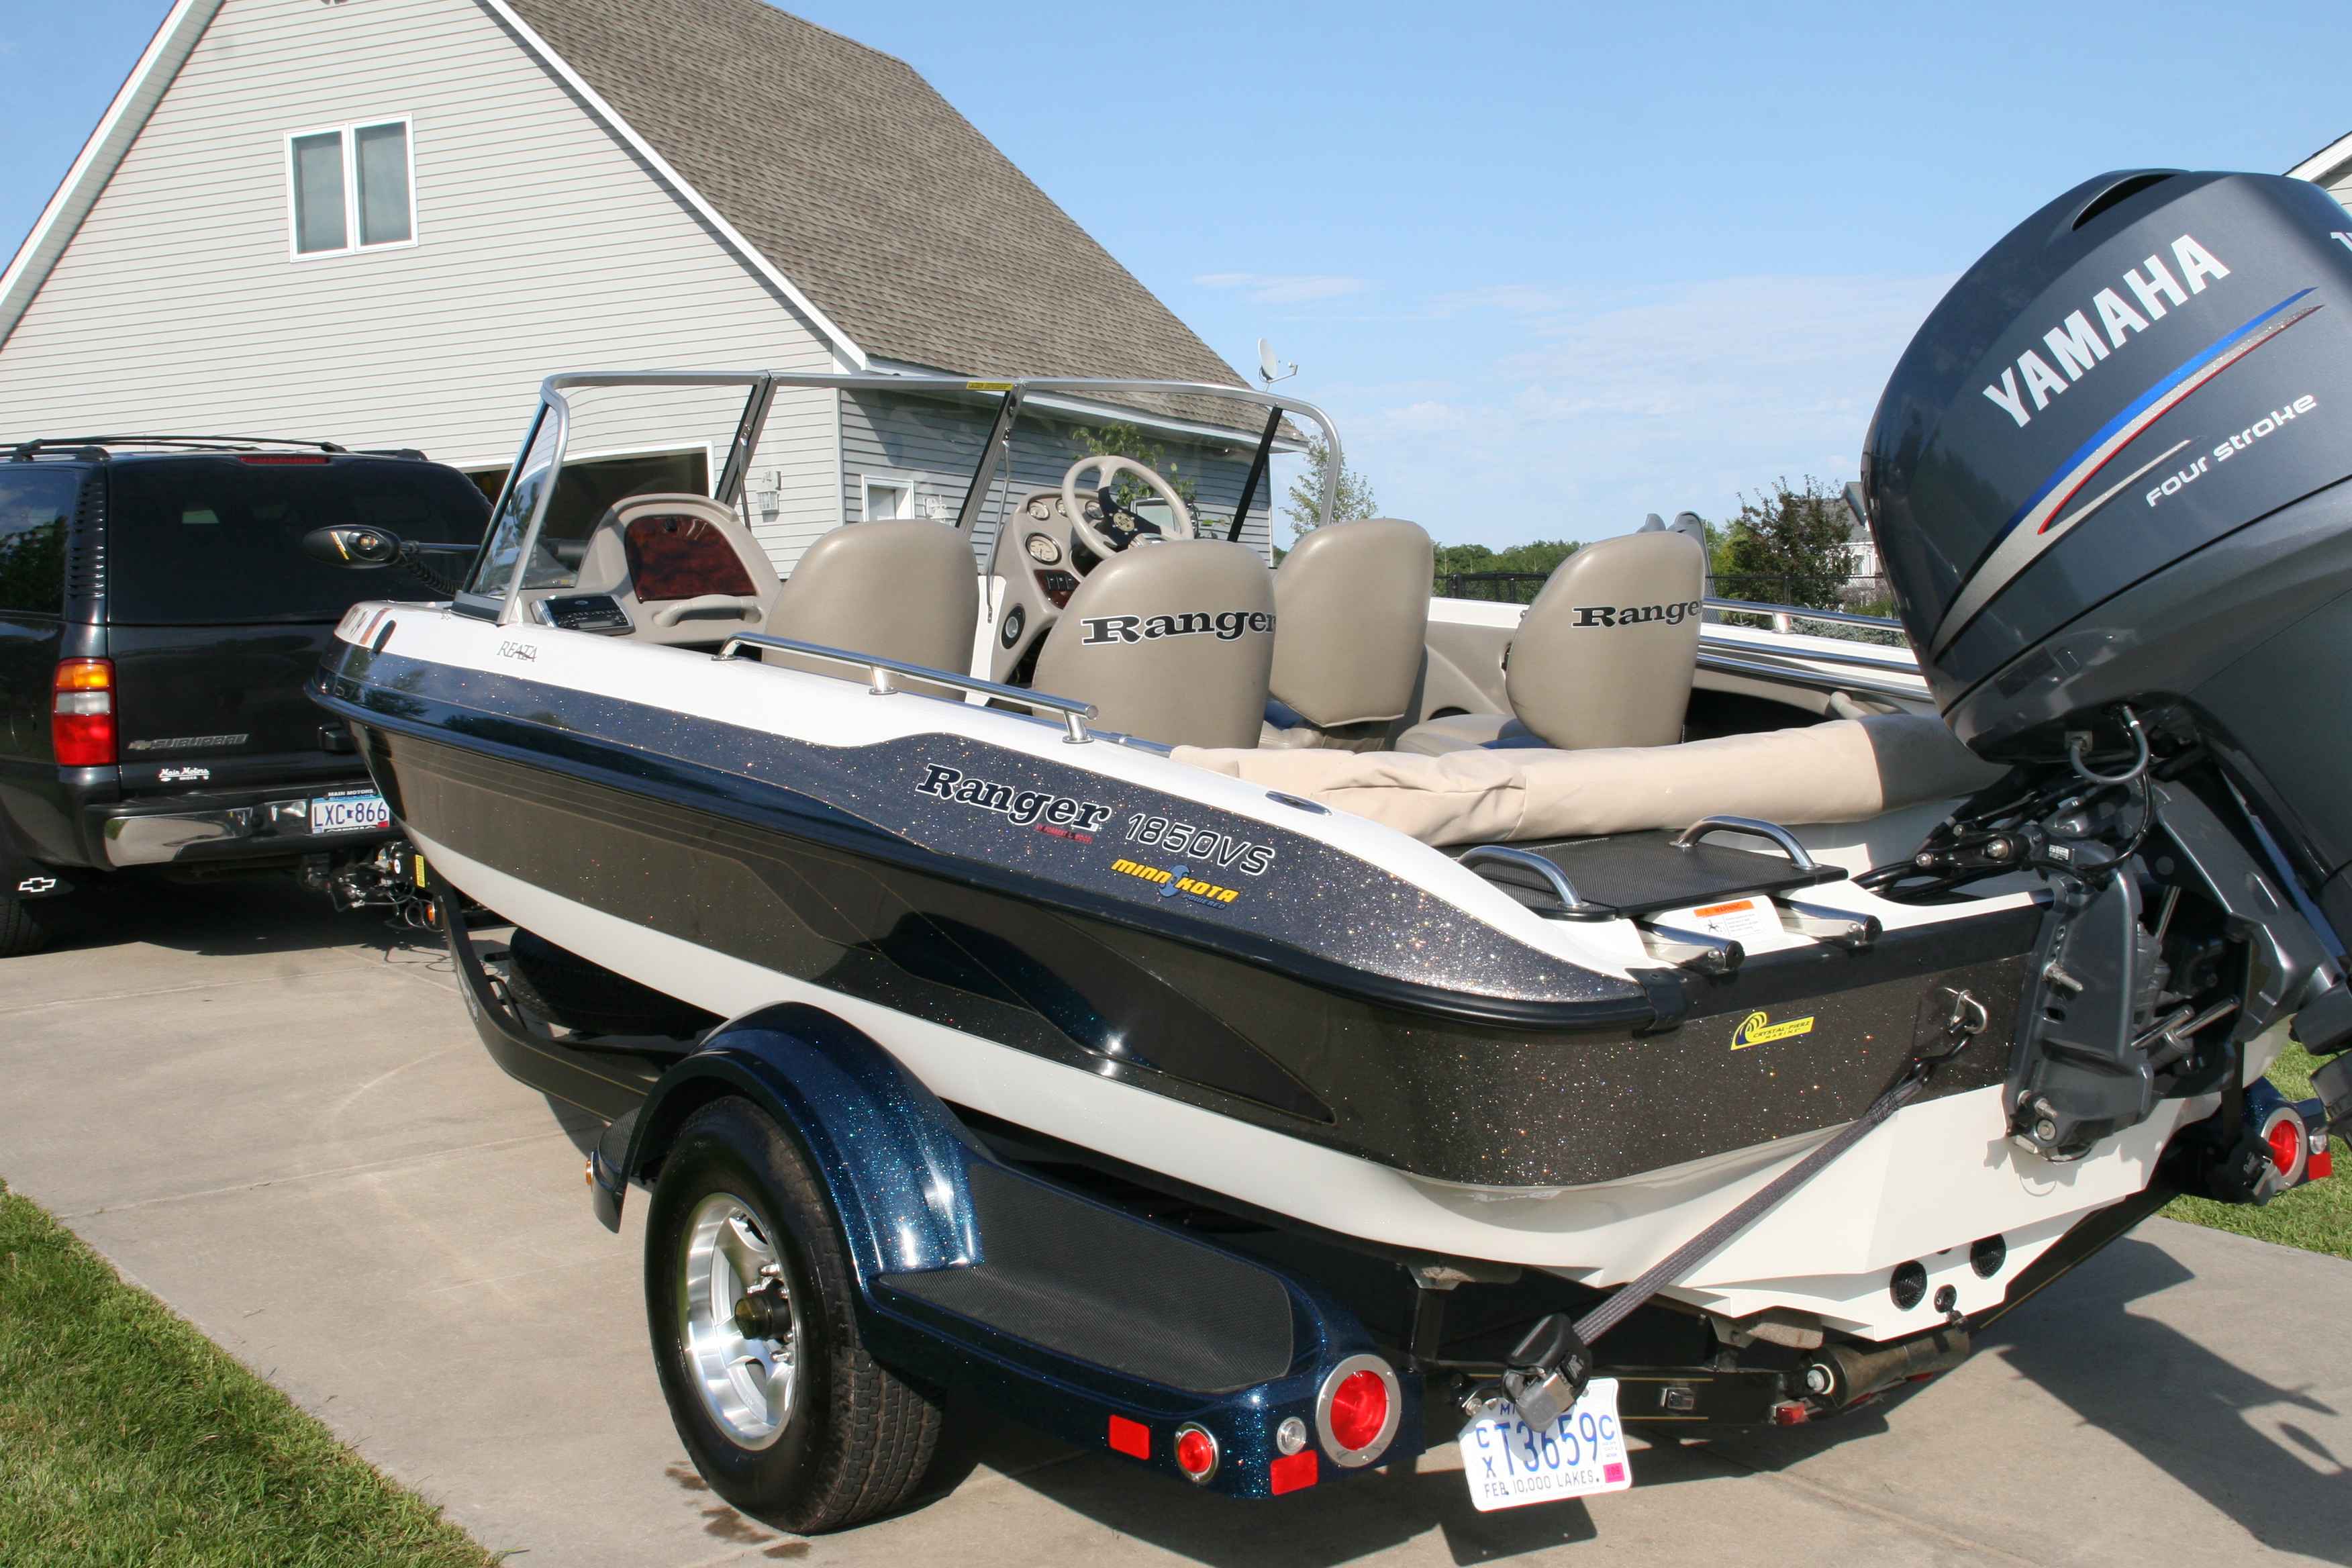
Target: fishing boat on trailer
{"x": 1255, "y": 1020}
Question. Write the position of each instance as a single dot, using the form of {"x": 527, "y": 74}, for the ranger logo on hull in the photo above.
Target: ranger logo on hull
{"x": 1023, "y": 807}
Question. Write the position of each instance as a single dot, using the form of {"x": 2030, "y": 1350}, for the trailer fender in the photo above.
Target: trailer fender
{"x": 893, "y": 1159}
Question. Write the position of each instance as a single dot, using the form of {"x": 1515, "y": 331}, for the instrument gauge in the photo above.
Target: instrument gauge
{"x": 1044, "y": 551}
{"x": 1041, "y": 508}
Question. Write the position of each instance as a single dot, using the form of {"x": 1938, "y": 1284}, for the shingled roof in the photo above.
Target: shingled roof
{"x": 870, "y": 192}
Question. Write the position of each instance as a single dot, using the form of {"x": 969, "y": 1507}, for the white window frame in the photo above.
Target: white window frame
{"x": 868, "y": 483}
{"x": 346, "y": 136}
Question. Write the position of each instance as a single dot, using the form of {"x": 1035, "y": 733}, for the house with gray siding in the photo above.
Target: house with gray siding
{"x": 382, "y": 222}
{"x": 2331, "y": 167}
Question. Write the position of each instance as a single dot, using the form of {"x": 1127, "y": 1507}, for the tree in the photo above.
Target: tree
{"x": 1124, "y": 440}
{"x": 1788, "y": 544}
{"x": 1535, "y": 560}
{"x": 1354, "y": 500}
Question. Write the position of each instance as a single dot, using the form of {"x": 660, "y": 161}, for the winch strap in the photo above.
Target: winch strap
{"x": 1706, "y": 1243}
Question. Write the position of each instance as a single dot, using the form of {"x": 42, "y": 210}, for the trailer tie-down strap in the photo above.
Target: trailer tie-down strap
{"x": 1541, "y": 1391}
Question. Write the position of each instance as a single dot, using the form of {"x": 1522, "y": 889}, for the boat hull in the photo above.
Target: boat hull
{"x": 1551, "y": 1117}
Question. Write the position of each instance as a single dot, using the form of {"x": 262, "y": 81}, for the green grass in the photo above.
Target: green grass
{"x": 128, "y": 1439}
{"x": 2317, "y": 1218}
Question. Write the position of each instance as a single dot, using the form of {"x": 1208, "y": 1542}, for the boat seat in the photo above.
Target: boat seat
{"x": 1351, "y": 611}
{"x": 1171, "y": 642}
{"x": 1604, "y": 658}
{"x": 684, "y": 568}
{"x": 902, "y": 588}
{"x": 1846, "y": 770}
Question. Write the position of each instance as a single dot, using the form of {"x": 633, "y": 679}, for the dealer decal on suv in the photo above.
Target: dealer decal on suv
{"x": 1223, "y": 624}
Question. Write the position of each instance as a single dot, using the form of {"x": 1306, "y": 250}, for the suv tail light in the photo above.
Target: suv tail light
{"x": 81, "y": 713}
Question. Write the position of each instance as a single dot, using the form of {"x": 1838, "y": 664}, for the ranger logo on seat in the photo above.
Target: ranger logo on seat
{"x": 1223, "y": 624}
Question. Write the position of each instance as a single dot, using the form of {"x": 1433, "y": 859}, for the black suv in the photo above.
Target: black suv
{"x": 159, "y": 618}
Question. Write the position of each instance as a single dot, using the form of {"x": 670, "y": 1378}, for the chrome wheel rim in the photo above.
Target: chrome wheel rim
{"x": 746, "y": 1382}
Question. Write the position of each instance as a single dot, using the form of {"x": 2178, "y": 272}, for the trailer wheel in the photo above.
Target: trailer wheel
{"x": 22, "y": 931}
{"x": 751, "y": 1307}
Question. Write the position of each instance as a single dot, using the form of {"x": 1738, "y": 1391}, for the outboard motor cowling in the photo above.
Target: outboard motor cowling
{"x": 2109, "y": 469}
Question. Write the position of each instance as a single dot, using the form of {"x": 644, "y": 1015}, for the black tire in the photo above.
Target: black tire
{"x": 22, "y": 928}
{"x": 564, "y": 989}
{"x": 858, "y": 1440}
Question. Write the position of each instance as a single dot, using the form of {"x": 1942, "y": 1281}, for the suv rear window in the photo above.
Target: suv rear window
{"x": 34, "y": 506}
{"x": 217, "y": 539}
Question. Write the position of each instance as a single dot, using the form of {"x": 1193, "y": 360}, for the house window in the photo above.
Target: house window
{"x": 349, "y": 188}
{"x": 885, "y": 499}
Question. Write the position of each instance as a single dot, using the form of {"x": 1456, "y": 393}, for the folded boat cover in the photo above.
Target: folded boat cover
{"x": 1846, "y": 770}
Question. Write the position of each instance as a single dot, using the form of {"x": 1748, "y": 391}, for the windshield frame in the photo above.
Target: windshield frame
{"x": 760, "y": 386}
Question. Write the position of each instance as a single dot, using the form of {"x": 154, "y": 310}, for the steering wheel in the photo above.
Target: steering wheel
{"x": 1105, "y": 527}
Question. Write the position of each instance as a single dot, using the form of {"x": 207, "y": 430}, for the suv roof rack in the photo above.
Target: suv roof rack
{"x": 101, "y": 446}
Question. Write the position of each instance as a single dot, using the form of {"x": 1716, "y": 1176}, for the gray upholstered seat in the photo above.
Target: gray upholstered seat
{"x": 903, "y": 588}
{"x": 1171, "y": 642}
{"x": 1604, "y": 656}
{"x": 1351, "y": 606}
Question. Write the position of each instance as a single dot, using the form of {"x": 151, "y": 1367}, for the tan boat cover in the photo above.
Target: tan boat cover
{"x": 1847, "y": 770}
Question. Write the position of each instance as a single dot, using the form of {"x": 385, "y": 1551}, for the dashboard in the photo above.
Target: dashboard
{"x": 1044, "y": 523}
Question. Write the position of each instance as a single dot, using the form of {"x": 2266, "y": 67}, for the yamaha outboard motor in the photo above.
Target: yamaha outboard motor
{"x": 2108, "y": 483}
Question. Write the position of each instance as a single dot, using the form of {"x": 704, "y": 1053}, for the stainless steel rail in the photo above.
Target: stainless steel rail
{"x": 1529, "y": 860}
{"x": 1824, "y": 655}
{"x": 1754, "y": 826}
{"x": 1800, "y": 612}
{"x": 1074, "y": 715}
{"x": 1817, "y": 680}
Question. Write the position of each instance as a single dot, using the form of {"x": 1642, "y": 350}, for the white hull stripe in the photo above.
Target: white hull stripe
{"x": 2037, "y": 525}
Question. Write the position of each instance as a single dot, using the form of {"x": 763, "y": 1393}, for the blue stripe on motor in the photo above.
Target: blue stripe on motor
{"x": 2187, "y": 368}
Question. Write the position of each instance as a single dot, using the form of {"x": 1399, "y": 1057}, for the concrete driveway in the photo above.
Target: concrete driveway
{"x": 279, "y": 1122}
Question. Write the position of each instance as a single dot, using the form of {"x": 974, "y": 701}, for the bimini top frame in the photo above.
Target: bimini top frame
{"x": 514, "y": 525}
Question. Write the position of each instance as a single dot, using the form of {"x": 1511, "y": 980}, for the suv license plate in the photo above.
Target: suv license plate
{"x": 1510, "y": 1464}
{"x": 348, "y": 813}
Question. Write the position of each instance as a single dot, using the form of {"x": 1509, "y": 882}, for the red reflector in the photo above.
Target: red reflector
{"x": 2323, "y": 1165}
{"x": 81, "y": 713}
{"x": 1292, "y": 1473}
{"x": 1789, "y": 1413}
{"x": 281, "y": 457}
{"x": 2285, "y": 1139}
{"x": 1360, "y": 1409}
{"x": 1132, "y": 1438}
{"x": 1196, "y": 1453}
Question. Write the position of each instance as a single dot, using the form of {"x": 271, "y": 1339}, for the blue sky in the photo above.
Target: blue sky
{"x": 1551, "y": 267}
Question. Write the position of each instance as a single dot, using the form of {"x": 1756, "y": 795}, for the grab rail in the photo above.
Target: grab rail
{"x": 1529, "y": 860}
{"x": 1074, "y": 715}
{"x": 1756, "y": 825}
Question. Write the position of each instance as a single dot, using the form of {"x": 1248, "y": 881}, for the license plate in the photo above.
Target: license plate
{"x": 1510, "y": 1464}
{"x": 348, "y": 813}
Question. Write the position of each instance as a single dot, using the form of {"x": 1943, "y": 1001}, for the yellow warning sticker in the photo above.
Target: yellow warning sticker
{"x": 1758, "y": 1029}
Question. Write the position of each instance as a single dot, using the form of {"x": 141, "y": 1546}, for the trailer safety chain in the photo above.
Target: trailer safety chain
{"x": 1564, "y": 1362}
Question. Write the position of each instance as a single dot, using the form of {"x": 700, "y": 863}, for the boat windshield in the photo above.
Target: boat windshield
{"x": 795, "y": 456}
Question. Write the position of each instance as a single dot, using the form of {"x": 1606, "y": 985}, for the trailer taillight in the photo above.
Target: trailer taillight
{"x": 1196, "y": 1452}
{"x": 1357, "y": 1410}
{"x": 81, "y": 713}
{"x": 2288, "y": 1138}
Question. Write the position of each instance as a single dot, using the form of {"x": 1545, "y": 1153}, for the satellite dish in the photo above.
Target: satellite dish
{"x": 1270, "y": 369}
